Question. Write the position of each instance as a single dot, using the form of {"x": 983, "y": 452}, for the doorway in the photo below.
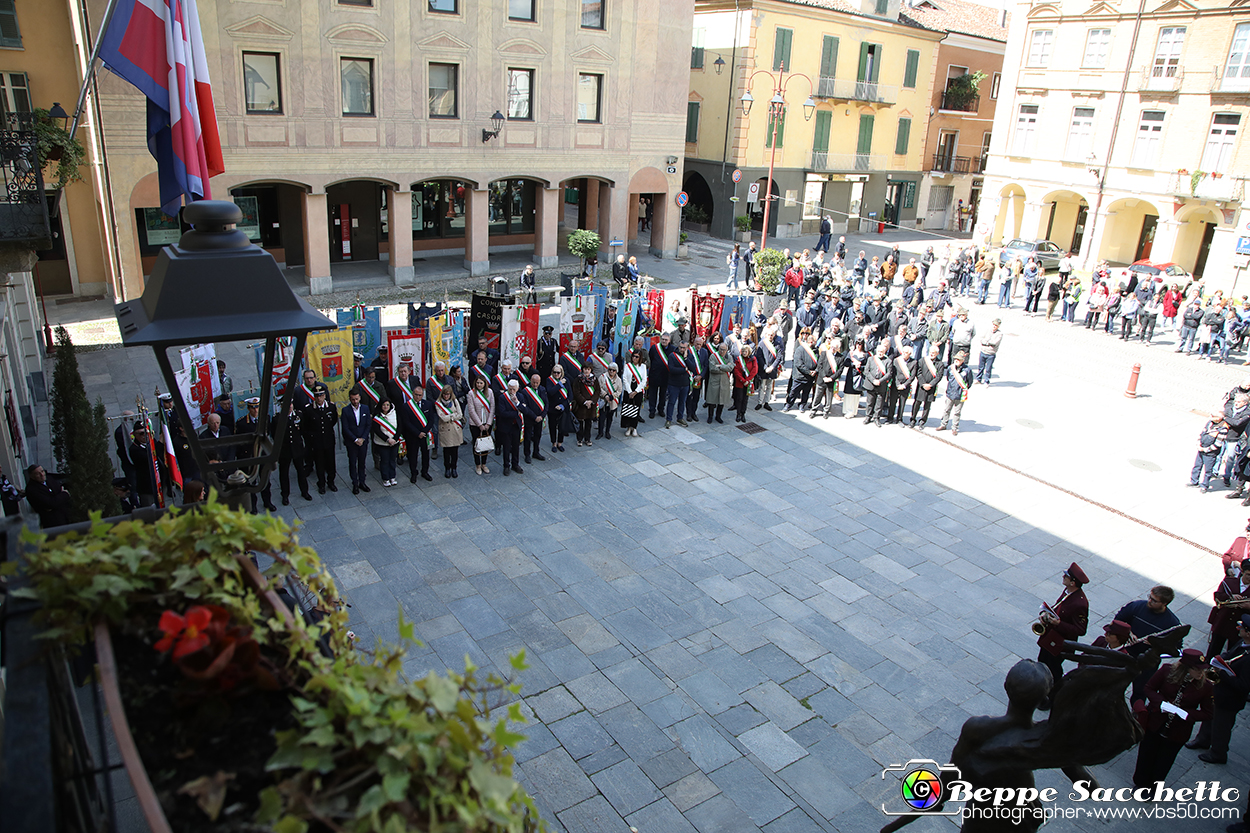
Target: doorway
{"x": 1078, "y": 232}
{"x": 948, "y": 144}
{"x": 355, "y": 210}
{"x": 1147, "y": 239}
{"x": 1204, "y": 249}
{"x": 893, "y": 201}
{"x": 52, "y": 268}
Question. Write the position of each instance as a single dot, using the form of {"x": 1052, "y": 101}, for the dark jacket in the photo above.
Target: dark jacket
{"x": 352, "y": 429}
{"x": 50, "y": 500}
{"x": 678, "y": 370}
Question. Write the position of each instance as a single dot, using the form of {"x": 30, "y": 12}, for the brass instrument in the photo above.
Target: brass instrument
{"x": 1232, "y": 603}
{"x": 1040, "y": 626}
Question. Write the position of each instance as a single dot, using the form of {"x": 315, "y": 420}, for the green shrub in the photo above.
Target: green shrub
{"x": 697, "y": 214}
{"x": 583, "y": 244}
{"x": 769, "y": 266}
{"x": 743, "y": 223}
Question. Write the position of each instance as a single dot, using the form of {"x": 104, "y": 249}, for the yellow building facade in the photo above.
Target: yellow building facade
{"x": 868, "y": 69}
{"x": 1119, "y": 135}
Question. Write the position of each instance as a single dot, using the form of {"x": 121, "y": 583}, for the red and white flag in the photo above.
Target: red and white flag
{"x": 171, "y": 460}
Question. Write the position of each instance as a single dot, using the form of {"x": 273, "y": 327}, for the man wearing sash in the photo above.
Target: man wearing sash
{"x": 318, "y": 422}
{"x": 600, "y": 361}
{"x": 523, "y": 373}
{"x": 876, "y": 384}
{"x": 437, "y": 381}
{"x": 1230, "y": 693}
{"x": 696, "y": 362}
{"x": 304, "y": 395}
{"x": 499, "y": 382}
{"x": 416, "y": 423}
{"x": 958, "y": 380}
{"x": 509, "y": 426}
{"x": 657, "y": 377}
{"x": 546, "y": 352}
{"x": 828, "y": 367}
{"x": 769, "y": 357}
{"x": 533, "y": 400}
{"x": 371, "y": 394}
{"x": 929, "y": 374}
{"x": 804, "y": 371}
{"x": 481, "y": 369}
{"x": 900, "y": 386}
{"x": 678, "y": 384}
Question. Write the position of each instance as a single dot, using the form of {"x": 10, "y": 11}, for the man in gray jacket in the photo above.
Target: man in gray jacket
{"x": 989, "y": 351}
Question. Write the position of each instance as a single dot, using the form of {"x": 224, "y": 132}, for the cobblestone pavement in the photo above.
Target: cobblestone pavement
{"x": 732, "y": 632}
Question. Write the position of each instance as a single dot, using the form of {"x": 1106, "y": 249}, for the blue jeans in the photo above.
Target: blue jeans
{"x": 732, "y": 280}
{"x": 1069, "y": 309}
{"x": 1004, "y": 294}
{"x": 985, "y": 368}
{"x": 677, "y": 396}
{"x": 1204, "y": 464}
{"x": 1188, "y": 334}
{"x": 983, "y": 291}
{"x": 1228, "y": 455}
{"x": 822, "y": 245}
{"x": 794, "y": 293}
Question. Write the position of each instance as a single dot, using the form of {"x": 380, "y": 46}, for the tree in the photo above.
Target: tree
{"x": 68, "y": 394}
{"x": 769, "y": 264}
{"x": 91, "y": 467}
{"x": 583, "y": 244}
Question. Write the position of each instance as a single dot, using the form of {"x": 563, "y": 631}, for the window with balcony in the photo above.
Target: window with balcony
{"x": 10, "y": 35}
{"x": 262, "y": 83}
{"x": 589, "y": 97}
{"x": 444, "y": 103}
{"x": 1080, "y": 135}
{"x": 1148, "y": 140}
{"x": 14, "y": 93}
{"x": 870, "y": 56}
{"x": 520, "y": 94}
{"x": 692, "y": 121}
{"x": 356, "y": 77}
{"x": 1221, "y": 142}
{"x": 1097, "y": 47}
{"x": 1040, "y": 46}
{"x": 592, "y": 14}
{"x": 521, "y": 10}
{"x": 1168, "y": 52}
{"x": 781, "y": 49}
{"x": 1237, "y": 67}
{"x": 1025, "y": 137}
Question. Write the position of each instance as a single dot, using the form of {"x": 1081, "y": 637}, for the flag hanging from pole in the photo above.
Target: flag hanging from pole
{"x": 152, "y": 459}
{"x": 171, "y": 461}
{"x": 156, "y": 45}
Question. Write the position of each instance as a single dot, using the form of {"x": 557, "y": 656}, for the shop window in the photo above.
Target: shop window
{"x": 438, "y": 209}
{"x": 510, "y": 203}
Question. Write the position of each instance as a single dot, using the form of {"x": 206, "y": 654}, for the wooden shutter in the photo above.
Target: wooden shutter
{"x": 692, "y": 121}
{"x": 10, "y": 35}
{"x": 863, "y": 62}
{"x": 829, "y": 58}
{"x": 781, "y": 48}
{"x": 865, "y": 134}
{"x": 781, "y": 133}
{"x": 913, "y": 67}
{"x": 904, "y": 135}
{"x": 877, "y": 57}
{"x": 824, "y": 121}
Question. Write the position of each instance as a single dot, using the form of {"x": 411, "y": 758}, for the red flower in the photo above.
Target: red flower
{"x": 184, "y": 634}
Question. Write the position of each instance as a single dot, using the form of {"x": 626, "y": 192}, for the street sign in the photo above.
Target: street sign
{"x": 672, "y": 169}
{"x": 982, "y": 228}
{"x": 616, "y": 242}
{"x": 753, "y": 192}
{"x": 1243, "y": 245}
{"x": 737, "y": 177}
{"x": 682, "y": 199}
{"x": 733, "y": 199}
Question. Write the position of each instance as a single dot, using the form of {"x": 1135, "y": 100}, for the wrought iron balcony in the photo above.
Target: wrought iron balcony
{"x": 23, "y": 207}
{"x": 845, "y": 89}
{"x": 948, "y": 163}
{"x": 960, "y": 102}
{"x": 849, "y": 161}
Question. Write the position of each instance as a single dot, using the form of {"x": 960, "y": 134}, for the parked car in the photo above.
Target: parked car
{"x": 1165, "y": 272}
{"x": 1046, "y": 254}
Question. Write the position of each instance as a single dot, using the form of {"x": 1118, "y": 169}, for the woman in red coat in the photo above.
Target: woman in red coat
{"x": 1177, "y": 696}
{"x": 745, "y": 368}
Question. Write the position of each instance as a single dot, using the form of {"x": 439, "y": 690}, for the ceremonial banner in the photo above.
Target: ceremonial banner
{"x": 420, "y": 314}
{"x": 329, "y": 355}
{"x": 707, "y": 314}
{"x": 198, "y": 381}
{"x": 599, "y": 332}
{"x": 655, "y": 308}
{"x": 676, "y": 305}
{"x": 408, "y": 349}
{"x": 447, "y": 338}
{"x": 239, "y": 399}
{"x": 486, "y": 323}
{"x": 520, "y": 333}
{"x": 577, "y": 322}
{"x": 627, "y": 320}
{"x": 736, "y": 313}
{"x": 366, "y": 329}
{"x": 281, "y": 366}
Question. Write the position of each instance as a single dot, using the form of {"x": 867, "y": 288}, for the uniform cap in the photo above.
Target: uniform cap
{"x": 1076, "y": 573}
{"x": 548, "y": 328}
{"x": 165, "y": 397}
{"x": 121, "y": 483}
{"x": 1192, "y": 658}
{"x": 320, "y": 388}
{"x": 381, "y": 348}
{"x": 1245, "y": 621}
{"x": 1118, "y": 628}
{"x": 253, "y": 401}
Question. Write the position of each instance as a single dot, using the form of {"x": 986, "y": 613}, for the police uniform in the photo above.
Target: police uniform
{"x": 318, "y": 423}
{"x": 291, "y": 453}
{"x": 248, "y": 425}
{"x": 546, "y": 353}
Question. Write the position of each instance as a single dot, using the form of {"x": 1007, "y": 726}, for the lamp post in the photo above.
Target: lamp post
{"x": 776, "y": 113}
{"x": 215, "y": 285}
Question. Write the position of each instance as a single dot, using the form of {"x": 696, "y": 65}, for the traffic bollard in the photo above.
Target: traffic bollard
{"x": 1131, "y": 390}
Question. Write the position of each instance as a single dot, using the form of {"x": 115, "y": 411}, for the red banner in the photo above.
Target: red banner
{"x": 706, "y": 314}
{"x": 519, "y": 332}
{"x": 577, "y": 324}
{"x": 407, "y": 349}
{"x": 655, "y": 308}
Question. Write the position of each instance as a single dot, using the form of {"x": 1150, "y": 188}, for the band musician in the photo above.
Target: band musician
{"x": 1066, "y": 619}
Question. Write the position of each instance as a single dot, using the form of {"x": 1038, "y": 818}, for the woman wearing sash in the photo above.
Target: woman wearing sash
{"x": 386, "y": 441}
{"x": 560, "y": 401}
{"x": 450, "y": 429}
{"x": 745, "y": 368}
{"x": 720, "y": 367}
{"x": 585, "y": 402}
{"x": 610, "y": 392}
{"x": 480, "y": 412}
{"x": 634, "y": 392}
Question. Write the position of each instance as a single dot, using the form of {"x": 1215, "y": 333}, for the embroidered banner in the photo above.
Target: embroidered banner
{"x": 601, "y": 296}
{"x": 676, "y": 306}
{"x": 447, "y": 338}
{"x": 486, "y": 323}
{"x": 707, "y": 314}
{"x": 195, "y": 385}
{"x": 519, "y": 333}
{"x": 281, "y": 365}
{"x": 577, "y": 322}
{"x": 408, "y": 349}
{"x": 420, "y": 314}
{"x": 366, "y": 328}
{"x": 736, "y": 313}
{"x": 654, "y": 308}
{"x": 329, "y": 355}
{"x": 626, "y": 321}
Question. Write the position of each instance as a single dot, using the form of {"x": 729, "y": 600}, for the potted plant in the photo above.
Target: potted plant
{"x": 683, "y": 250}
{"x": 583, "y": 244}
{"x": 695, "y": 218}
{"x": 54, "y": 144}
{"x": 1194, "y": 179}
{"x": 769, "y": 265}
{"x": 743, "y": 225}
{"x": 234, "y": 714}
{"x": 961, "y": 92}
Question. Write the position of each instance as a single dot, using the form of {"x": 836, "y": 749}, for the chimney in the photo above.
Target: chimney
{"x": 1002, "y": 16}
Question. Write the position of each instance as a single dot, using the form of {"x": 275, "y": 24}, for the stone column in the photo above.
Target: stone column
{"x": 400, "y": 266}
{"x": 590, "y": 205}
{"x": 547, "y": 226}
{"x": 664, "y": 227}
{"x": 477, "y": 231}
{"x": 613, "y": 215}
{"x": 631, "y": 210}
{"x": 317, "y": 244}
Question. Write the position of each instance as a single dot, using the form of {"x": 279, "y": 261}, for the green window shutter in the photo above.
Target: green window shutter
{"x": 865, "y": 134}
{"x": 692, "y": 121}
{"x": 824, "y": 120}
{"x": 883, "y": 6}
{"x": 904, "y": 134}
{"x": 877, "y": 58}
{"x": 10, "y": 35}
{"x": 913, "y": 67}
{"x": 696, "y": 57}
{"x": 781, "y": 48}
{"x": 829, "y": 58}
{"x": 861, "y": 75}
{"x": 781, "y": 133}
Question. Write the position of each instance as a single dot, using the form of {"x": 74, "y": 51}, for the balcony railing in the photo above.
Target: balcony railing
{"x": 1162, "y": 83}
{"x": 849, "y": 161}
{"x": 961, "y": 102}
{"x": 23, "y": 207}
{"x": 1222, "y": 188}
{"x": 848, "y": 90}
{"x": 1221, "y": 83}
{"x": 948, "y": 163}
{"x": 982, "y": 161}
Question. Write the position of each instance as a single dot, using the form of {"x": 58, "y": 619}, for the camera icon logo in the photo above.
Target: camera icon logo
{"x": 922, "y": 786}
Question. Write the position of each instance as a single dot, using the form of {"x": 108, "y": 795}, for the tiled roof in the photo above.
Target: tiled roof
{"x": 957, "y": 16}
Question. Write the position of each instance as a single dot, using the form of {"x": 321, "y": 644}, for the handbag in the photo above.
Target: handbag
{"x": 483, "y": 444}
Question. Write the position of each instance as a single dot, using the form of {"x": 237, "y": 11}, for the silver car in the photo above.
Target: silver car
{"x": 1046, "y": 254}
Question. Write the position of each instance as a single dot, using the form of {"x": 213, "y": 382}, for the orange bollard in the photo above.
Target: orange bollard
{"x": 1131, "y": 390}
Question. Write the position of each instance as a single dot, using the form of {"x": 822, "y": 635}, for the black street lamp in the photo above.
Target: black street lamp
{"x": 496, "y": 121}
{"x": 215, "y": 285}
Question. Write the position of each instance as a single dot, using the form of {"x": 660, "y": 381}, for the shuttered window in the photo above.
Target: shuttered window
{"x": 904, "y": 135}
{"x": 864, "y": 145}
{"x": 829, "y": 58}
{"x": 824, "y": 123}
{"x": 692, "y": 121}
{"x": 10, "y": 35}
{"x": 912, "y": 69}
{"x": 781, "y": 49}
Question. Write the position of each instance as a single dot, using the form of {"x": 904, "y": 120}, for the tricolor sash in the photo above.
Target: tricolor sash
{"x": 368, "y": 391}
{"x": 537, "y": 400}
{"x": 959, "y": 380}
{"x": 404, "y": 389}
{"x": 560, "y": 386}
{"x": 599, "y": 360}
{"x": 482, "y": 400}
{"x": 668, "y": 360}
{"x": 503, "y": 383}
{"x": 386, "y": 424}
{"x": 807, "y": 348}
{"x": 438, "y": 385}
{"x": 929, "y": 364}
{"x": 742, "y": 365}
{"x": 416, "y": 410}
{"x": 696, "y": 378}
{"x": 572, "y": 359}
{"x": 307, "y": 391}
{"x": 444, "y": 412}
{"x": 634, "y": 374}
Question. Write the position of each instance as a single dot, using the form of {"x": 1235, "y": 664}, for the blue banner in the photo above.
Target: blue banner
{"x": 601, "y": 295}
{"x": 419, "y": 315}
{"x": 736, "y": 313}
{"x": 366, "y": 326}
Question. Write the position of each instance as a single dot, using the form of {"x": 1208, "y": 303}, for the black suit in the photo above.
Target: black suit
{"x": 318, "y": 426}
{"x": 411, "y": 428}
{"x": 357, "y": 453}
{"x": 50, "y": 500}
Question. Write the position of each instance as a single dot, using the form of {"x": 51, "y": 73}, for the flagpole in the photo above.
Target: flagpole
{"x": 90, "y": 71}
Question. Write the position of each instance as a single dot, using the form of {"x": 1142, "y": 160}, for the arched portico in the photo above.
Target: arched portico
{"x": 657, "y": 215}
{"x": 1064, "y": 218}
{"x": 1128, "y": 231}
{"x": 1008, "y": 222}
